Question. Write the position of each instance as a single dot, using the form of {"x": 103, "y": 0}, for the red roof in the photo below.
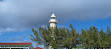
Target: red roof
{"x": 15, "y": 43}
{"x": 38, "y": 48}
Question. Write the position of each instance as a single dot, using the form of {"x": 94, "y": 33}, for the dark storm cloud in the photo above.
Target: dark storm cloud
{"x": 1, "y": 0}
{"x": 30, "y": 13}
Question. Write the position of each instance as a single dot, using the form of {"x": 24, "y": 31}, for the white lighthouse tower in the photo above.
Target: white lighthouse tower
{"x": 53, "y": 21}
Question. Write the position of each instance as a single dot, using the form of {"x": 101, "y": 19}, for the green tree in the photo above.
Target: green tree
{"x": 89, "y": 38}
{"x": 70, "y": 37}
{"x": 103, "y": 39}
{"x": 84, "y": 38}
{"x": 92, "y": 38}
{"x": 56, "y": 37}
{"x": 109, "y": 36}
{"x": 44, "y": 37}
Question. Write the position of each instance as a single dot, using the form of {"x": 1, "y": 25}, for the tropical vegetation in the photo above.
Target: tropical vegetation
{"x": 69, "y": 38}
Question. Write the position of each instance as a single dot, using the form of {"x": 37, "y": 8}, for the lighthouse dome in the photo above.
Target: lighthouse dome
{"x": 53, "y": 15}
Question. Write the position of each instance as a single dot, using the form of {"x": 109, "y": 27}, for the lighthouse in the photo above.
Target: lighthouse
{"x": 53, "y": 21}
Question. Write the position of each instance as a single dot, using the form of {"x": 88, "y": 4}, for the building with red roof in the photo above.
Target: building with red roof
{"x": 16, "y": 46}
{"x": 38, "y": 48}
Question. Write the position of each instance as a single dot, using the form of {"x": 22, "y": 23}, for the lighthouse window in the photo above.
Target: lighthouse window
{"x": 52, "y": 17}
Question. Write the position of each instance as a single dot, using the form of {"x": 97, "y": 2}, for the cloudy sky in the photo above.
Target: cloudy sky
{"x": 17, "y": 17}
